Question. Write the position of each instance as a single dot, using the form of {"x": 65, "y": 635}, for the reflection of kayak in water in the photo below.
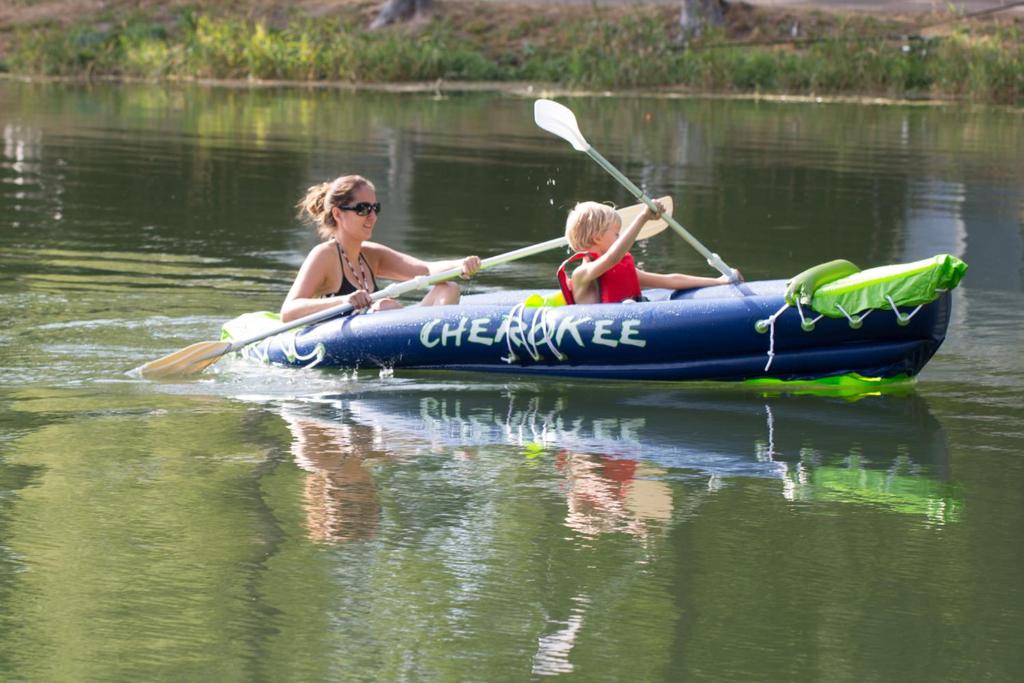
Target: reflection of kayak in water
{"x": 884, "y": 450}
{"x": 714, "y": 333}
{"x": 901, "y": 488}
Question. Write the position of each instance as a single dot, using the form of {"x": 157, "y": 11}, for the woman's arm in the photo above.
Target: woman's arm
{"x": 311, "y": 283}
{"x": 392, "y": 264}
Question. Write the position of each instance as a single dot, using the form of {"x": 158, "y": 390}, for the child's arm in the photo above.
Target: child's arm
{"x": 592, "y": 270}
{"x": 679, "y": 280}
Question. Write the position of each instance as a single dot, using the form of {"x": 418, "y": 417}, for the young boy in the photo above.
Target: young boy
{"x": 607, "y": 273}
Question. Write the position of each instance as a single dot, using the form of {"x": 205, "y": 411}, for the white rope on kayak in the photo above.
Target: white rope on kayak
{"x": 770, "y": 324}
{"x": 547, "y": 330}
{"x": 902, "y": 318}
{"x": 258, "y": 351}
{"x": 541, "y": 321}
{"x": 855, "y": 321}
{"x": 515, "y": 316}
{"x": 806, "y": 325}
{"x": 529, "y": 336}
{"x": 318, "y": 353}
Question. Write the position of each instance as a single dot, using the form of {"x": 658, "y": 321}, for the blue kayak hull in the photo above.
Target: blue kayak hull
{"x": 704, "y": 334}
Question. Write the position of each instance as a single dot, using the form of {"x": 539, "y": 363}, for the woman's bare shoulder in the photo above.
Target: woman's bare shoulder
{"x": 322, "y": 251}
{"x": 321, "y": 260}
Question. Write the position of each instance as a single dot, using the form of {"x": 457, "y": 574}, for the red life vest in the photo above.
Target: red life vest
{"x": 620, "y": 282}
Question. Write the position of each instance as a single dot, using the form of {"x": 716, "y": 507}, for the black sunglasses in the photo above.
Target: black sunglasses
{"x": 363, "y": 208}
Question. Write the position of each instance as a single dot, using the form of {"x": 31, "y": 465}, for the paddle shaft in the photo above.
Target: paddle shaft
{"x": 713, "y": 259}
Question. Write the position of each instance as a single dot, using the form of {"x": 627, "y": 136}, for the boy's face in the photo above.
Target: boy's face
{"x": 607, "y": 238}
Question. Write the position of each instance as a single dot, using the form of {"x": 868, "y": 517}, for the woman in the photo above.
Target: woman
{"x": 345, "y": 267}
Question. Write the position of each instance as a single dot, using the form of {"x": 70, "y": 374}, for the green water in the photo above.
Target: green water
{"x": 258, "y": 524}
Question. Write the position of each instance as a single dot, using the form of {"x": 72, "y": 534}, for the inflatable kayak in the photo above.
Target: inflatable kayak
{"x": 830, "y": 320}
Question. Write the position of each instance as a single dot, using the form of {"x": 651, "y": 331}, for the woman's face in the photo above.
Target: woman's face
{"x": 350, "y": 223}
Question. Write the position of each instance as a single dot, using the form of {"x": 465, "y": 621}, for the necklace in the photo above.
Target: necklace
{"x": 362, "y": 281}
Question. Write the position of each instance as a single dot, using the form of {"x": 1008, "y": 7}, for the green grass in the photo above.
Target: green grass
{"x": 634, "y": 52}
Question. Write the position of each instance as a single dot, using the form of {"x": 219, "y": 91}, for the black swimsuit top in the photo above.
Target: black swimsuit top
{"x": 346, "y": 286}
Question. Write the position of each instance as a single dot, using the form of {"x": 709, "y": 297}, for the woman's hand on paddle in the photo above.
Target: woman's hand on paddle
{"x": 470, "y": 266}
{"x": 360, "y": 299}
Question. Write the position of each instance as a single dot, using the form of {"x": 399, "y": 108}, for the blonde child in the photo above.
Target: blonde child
{"x": 607, "y": 273}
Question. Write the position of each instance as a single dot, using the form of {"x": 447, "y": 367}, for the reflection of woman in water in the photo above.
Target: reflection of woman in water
{"x": 606, "y": 495}
{"x": 340, "y": 493}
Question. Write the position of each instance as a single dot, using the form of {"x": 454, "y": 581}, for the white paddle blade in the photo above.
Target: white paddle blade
{"x": 186, "y": 361}
{"x": 652, "y": 228}
{"x": 559, "y": 119}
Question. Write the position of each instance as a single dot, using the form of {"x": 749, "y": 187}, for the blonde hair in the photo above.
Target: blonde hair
{"x": 316, "y": 205}
{"x": 586, "y": 222}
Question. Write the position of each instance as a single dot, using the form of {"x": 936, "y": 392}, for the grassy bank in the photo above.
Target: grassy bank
{"x": 576, "y": 47}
